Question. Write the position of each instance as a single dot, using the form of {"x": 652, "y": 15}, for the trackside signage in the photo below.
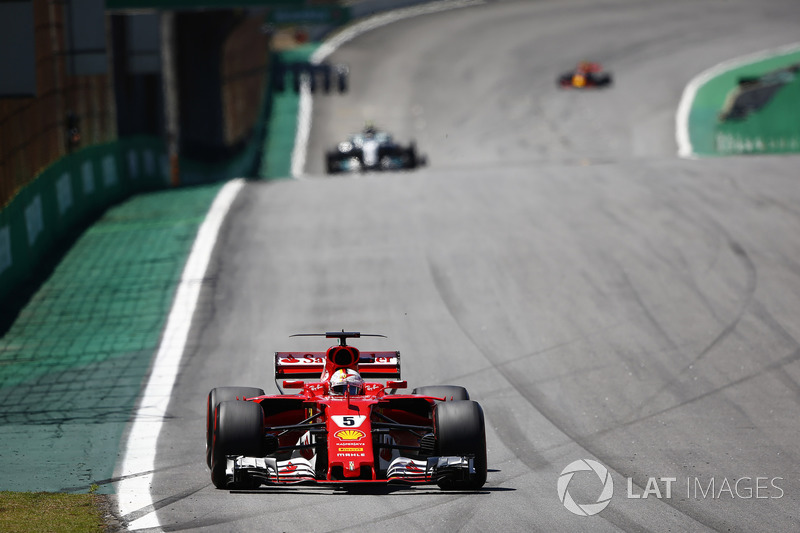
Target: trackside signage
{"x": 63, "y": 198}
{"x": 585, "y": 488}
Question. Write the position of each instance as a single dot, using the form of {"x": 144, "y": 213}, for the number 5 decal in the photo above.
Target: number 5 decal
{"x": 348, "y": 421}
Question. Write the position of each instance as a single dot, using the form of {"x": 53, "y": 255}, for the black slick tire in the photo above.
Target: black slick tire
{"x": 460, "y": 430}
{"x": 223, "y": 394}
{"x": 238, "y": 430}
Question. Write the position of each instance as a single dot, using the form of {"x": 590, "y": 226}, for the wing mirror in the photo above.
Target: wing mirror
{"x": 293, "y": 384}
{"x": 397, "y": 384}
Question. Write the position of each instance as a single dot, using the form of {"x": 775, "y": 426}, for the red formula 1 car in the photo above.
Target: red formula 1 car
{"x": 341, "y": 429}
{"x": 585, "y": 75}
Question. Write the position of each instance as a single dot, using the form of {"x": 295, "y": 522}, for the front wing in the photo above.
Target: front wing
{"x": 271, "y": 471}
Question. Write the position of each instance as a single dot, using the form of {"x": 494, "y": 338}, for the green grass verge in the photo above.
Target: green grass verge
{"x": 35, "y": 512}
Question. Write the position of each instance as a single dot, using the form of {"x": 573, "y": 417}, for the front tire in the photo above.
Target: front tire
{"x": 238, "y": 430}
{"x": 215, "y": 397}
{"x": 459, "y": 429}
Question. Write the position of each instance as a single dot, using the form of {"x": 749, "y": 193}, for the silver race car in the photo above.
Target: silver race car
{"x": 372, "y": 150}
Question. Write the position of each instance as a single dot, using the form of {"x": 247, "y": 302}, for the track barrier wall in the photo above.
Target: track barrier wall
{"x": 68, "y": 195}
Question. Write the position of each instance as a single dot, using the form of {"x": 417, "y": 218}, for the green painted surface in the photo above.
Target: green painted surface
{"x": 773, "y": 129}
{"x": 710, "y": 99}
{"x": 73, "y": 362}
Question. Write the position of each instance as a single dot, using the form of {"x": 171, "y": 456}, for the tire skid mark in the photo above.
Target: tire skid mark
{"x": 779, "y": 370}
{"x": 156, "y": 505}
{"x": 777, "y": 365}
{"x": 728, "y": 330}
{"x": 540, "y": 405}
{"x": 716, "y": 228}
{"x": 222, "y": 523}
{"x": 585, "y": 442}
{"x": 543, "y": 351}
{"x": 411, "y": 512}
{"x": 539, "y": 461}
{"x": 748, "y": 303}
{"x": 650, "y": 321}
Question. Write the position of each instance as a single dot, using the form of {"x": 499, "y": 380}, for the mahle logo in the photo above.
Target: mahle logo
{"x": 587, "y": 509}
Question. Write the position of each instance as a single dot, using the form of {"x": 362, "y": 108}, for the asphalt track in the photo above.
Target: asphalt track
{"x": 601, "y": 298}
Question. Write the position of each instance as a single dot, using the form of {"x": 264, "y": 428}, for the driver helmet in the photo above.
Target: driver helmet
{"x": 347, "y": 381}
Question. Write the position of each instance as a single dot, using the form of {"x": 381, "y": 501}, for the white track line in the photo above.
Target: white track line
{"x": 330, "y": 45}
{"x": 135, "y": 503}
{"x": 685, "y": 148}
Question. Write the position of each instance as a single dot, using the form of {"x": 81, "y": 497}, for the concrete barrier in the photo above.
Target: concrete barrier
{"x": 43, "y": 216}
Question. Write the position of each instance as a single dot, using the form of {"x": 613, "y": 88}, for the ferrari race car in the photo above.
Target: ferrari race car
{"x": 339, "y": 429}
{"x": 586, "y": 75}
{"x": 372, "y": 149}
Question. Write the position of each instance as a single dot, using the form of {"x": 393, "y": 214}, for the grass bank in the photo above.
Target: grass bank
{"x": 46, "y": 512}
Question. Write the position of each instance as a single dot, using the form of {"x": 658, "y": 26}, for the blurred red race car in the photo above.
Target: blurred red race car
{"x": 340, "y": 429}
{"x": 586, "y": 74}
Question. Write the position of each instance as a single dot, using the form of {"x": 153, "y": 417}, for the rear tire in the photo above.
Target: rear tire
{"x": 238, "y": 430}
{"x": 448, "y": 392}
{"x": 603, "y": 80}
{"x": 223, "y": 394}
{"x": 460, "y": 429}
{"x": 331, "y": 163}
{"x": 410, "y": 154}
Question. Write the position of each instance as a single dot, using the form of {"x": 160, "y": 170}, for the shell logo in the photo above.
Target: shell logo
{"x": 350, "y": 434}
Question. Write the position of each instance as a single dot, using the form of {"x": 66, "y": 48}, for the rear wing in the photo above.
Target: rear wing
{"x": 309, "y": 365}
